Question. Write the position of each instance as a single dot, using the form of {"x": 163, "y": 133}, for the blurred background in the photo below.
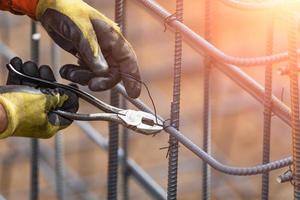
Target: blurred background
{"x": 237, "y": 118}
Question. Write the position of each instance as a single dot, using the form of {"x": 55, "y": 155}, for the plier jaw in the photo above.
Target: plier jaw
{"x": 141, "y": 122}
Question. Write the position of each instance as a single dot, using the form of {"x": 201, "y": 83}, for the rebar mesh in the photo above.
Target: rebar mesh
{"x": 220, "y": 61}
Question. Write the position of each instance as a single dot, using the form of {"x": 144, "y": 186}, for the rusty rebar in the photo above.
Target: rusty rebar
{"x": 294, "y": 90}
{"x": 112, "y": 186}
{"x": 204, "y": 47}
{"x": 267, "y": 112}
{"x": 175, "y": 109}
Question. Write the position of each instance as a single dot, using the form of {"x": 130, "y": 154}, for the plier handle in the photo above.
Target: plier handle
{"x": 138, "y": 121}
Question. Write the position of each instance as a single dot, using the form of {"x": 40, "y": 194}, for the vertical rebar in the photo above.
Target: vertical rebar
{"x": 112, "y": 190}
{"x": 125, "y": 132}
{"x": 175, "y": 109}
{"x": 34, "y": 194}
{"x": 125, "y": 169}
{"x": 267, "y": 112}
{"x": 294, "y": 90}
{"x": 59, "y": 166}
{"x": 59, "y": 143}
{"x": 206, "y": 177}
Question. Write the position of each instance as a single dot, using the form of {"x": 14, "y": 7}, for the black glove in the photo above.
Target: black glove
{"x": 106, "y": 56}
{"x": 44, "y": 72}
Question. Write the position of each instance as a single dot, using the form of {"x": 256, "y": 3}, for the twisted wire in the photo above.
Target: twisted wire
{"x": 294, "y": 90}
{"x": 267, "y": 113}
{"x": 175, "y": 109}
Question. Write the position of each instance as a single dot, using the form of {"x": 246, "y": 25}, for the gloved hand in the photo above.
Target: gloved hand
{"x": 29, "y": 109}
{"x": 105, "y": 57}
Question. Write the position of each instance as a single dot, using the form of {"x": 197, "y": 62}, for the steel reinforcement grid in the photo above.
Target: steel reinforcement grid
{"x": 213, "y": 58}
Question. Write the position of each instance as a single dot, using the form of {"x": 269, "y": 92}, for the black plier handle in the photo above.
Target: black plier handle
{"x": 138, "y": 121}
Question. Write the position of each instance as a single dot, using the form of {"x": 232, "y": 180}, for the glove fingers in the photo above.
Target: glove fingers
{"x": 76, "y": 74}
{"x": 46, "y": 73}
{"x": 13, "y": 78}
{"x": 30, "y": 69}
{"x": 105, "y": 83}
{"x": 83, "y": 44}
{"x": 115, "y": 47}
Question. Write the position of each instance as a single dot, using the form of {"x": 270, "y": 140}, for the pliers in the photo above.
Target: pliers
{"x": 138, "y": 121}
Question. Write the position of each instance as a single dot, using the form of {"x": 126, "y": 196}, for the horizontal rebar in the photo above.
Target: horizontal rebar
{"x": 274, "y": 4}
{"x": 240, "y": 171}
{"x": 204, "y": 47}
{"x": 256, "y": 90}
{"x": 288, "y": 176}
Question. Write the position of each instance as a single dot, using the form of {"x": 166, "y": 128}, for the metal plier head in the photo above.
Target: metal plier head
{"x": 138, "y": 121}
{"x": 141, "y": 122}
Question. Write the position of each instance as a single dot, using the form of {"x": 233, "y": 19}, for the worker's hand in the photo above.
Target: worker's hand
{"x": 105, "y": 56}
{"x": 29, "y": 109}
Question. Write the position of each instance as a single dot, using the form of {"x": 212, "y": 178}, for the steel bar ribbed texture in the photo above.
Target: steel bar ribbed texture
{"x": 287, "y": 176}
{"x": 34, "y": 193}
{"x": 134, "y": 169}
{"x": 240, "y": 171}
{"x": 125, "y": 131}
{"x": 112, "y": 186}
{"x": 59, "y": 166}
{"x": 204, "y": 47}
{"x": 294, "y": 90}
{"x": 59, "y": 143}
{"x": 267, "y": 113}
{"x": 206, "y": 176}
{"x": 125, "y": 169}
{"x": 175, "y": 109}
{"x": 112, "y": 190}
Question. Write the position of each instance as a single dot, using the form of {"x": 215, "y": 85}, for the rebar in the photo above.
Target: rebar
{"x": 270, "y": 5}
{"x": 34, "y": 194}
{"x": 175, "y": 109}
{"x": 59, "y": 166}
{"x": 239, "y": 171}
{"x": 59, "y": 143}
{"x": 144, "y": 179}
{"x": 125, "y": 169}
{"x": 206, "y": 172}
{"x": 125, "y": 131}
{"x": 287, "y": 176}
{"x": 204, "y": 47}
{"x": 294, "y": 92}
{"x": 267, "y": 112}
{"x": 112, "y": 189}
{"x": 112, "y": 185}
